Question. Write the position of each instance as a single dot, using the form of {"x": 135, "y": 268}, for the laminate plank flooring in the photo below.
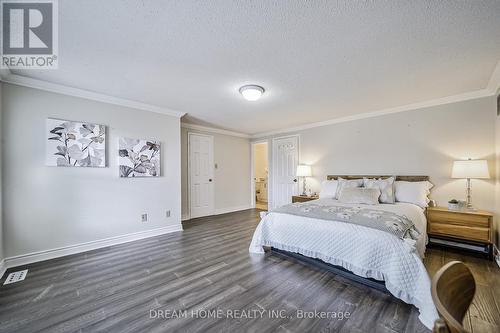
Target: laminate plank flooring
{"x": 206, "y": 272}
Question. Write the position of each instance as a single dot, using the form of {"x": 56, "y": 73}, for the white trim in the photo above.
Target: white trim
{"x": 88, "y": 246}
{"x": 4, "y": 72}
{"x": 214, "y": 130}
{"x": 219, "y": 211}
{"x": 226, "y": 210}
{"x": 404, "y": 108}
{"x": 3, "y": 268}
{"x": 494, "y": 83}
{"x": 7, "y": 77}
{"x": 189, "y": 134}
{"x": 90, "y": 95}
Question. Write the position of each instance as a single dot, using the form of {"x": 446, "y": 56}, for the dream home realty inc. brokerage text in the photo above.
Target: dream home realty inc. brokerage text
{"x": 246, "y": 314}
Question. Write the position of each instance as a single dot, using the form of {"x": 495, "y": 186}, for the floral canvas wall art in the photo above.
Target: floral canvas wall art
{"x": 139, "y": 158}
{"x": 75, "y": 144}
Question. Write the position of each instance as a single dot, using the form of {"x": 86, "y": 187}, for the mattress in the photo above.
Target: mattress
{"x": 364, "y": 251}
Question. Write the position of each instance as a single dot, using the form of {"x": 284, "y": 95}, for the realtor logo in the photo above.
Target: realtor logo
{"x": 29, "y": 34}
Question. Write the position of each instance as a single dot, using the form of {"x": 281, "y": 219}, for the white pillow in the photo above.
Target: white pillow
{"x": 344, "y": 183}
{"x": 386, "y": 187}
{"x": 360, "y": 195}
{"x": 413, "y": 192}
{"x": 328, "y": 189}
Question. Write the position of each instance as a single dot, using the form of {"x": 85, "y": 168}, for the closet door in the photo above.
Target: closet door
{"x": 201, "y": 175}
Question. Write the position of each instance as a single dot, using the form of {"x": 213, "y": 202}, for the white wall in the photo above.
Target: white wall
{"x": 1, "y": 187}
{"x": 232, "y": 177}
{"x": 498, "y": 173}
{"x": 260, "y": 160}
{"x": 50, "y": 207}
{"x": 418, "y": 142}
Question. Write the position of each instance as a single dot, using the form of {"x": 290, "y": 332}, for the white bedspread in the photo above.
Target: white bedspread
{"x": 364, "y": 251}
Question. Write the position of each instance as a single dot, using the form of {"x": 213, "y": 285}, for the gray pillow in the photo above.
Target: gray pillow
{"x": 344, "y": 183}
{"x": 360, "y": 195}
{"x": 386, "y": 187}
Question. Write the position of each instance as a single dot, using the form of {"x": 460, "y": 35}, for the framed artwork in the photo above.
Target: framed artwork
{"x": 75, "y": 144}
{"x": 139, "y": 158}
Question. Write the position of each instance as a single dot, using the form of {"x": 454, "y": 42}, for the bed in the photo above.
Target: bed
{"x": 375, "y": 257}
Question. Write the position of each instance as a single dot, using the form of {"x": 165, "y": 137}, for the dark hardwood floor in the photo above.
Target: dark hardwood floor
{"x": 207, "y": 268}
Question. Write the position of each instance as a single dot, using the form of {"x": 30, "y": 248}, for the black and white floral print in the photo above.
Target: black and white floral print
{"x": 75, "y": 144}
{"x": 139, "y": 158}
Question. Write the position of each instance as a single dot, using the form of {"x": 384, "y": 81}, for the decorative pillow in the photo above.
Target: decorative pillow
{"x": 360, "y": 195}
{"x": 328, "y": 189}
{"x": 413, "y": 192}
{"x": 344, "y": 183}
{"x": 386, "y": 187}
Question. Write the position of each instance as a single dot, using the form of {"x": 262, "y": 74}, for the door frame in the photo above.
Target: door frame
{"x": 273, "y": 165}
{"x": 252, "y": 171}
{"x": 189, "y": 134}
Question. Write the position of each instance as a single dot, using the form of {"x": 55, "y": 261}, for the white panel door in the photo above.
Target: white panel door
{"x": 285, "y": 161}
{"x": 201, "y": 175}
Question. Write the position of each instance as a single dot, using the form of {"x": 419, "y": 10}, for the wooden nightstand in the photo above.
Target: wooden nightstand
{"x": 471, "y": 230}
{"x": 303, "y": 198}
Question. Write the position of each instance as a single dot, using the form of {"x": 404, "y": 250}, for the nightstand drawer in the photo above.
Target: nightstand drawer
{"x": 460, "y": 231}
{"x": 459, "y": 219}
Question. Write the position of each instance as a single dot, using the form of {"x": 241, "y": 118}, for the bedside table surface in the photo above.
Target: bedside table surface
{"x": 464, "y": 211}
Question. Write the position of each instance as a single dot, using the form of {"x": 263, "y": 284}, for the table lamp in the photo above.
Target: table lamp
{"x": 304, "y": 171}
{"x": 469, "y": 169}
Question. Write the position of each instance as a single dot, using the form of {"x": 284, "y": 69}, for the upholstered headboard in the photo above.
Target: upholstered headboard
{"x": 403, "y": 178}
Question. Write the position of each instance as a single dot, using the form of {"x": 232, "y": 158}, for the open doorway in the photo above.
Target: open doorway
{"x": 260, "y": 171}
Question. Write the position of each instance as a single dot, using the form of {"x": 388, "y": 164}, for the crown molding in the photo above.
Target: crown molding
{"x": 214, "y": 130}
{"x": 494, "y": 84}
{"x": 8, "y": 77}
{"x": 4, "y": 72}
{"x": 409, "y": 107}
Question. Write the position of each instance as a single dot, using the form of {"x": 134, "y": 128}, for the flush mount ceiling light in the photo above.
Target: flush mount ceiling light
{"x": 251, "y": 92}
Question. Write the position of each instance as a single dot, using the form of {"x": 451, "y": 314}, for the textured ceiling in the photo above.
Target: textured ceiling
{"x": 318, "y": 60}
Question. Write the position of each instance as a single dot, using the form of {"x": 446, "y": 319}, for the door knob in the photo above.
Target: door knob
{"x": 210, "y": 180}
{"x": 295, "y": 180}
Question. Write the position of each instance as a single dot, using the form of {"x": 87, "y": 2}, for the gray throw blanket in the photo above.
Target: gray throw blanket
{"x": 399, "y": 226}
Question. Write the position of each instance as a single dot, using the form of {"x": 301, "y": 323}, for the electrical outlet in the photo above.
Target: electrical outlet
{"x": 168, "y": 213}
{"x": 144, "y": 217}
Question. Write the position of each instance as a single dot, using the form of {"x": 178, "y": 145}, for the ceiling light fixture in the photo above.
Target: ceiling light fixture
{"x": 251, "y": 92}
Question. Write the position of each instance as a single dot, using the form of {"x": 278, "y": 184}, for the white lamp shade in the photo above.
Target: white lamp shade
{"x": 304, "y": 170}
{"x": 470, "y": 169}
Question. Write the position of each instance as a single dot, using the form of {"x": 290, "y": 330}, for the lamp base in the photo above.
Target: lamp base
{"x": 471, "y": 208}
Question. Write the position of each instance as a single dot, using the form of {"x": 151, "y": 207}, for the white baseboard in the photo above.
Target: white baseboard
{"x": 219, "y": 211}
{"x": 231, "y": 209}
{"x": 3, "y": 268}
{"x": 88, "y": 246}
